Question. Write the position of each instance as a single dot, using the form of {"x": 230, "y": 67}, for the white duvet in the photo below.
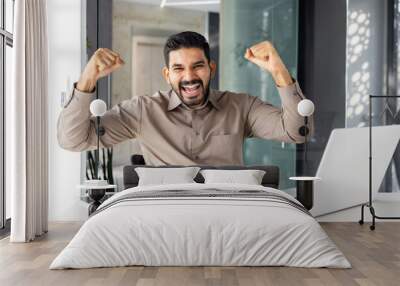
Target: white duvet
{"x": 200, "y": 231}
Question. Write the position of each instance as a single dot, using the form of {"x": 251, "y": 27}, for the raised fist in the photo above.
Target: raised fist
{"x": 102, "y": 63}
{"x": 265, "y": 56}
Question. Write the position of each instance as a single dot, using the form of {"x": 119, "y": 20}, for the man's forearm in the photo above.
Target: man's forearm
{"x": 282, "y": 77}
{"x": 73, "y": 127}
{"x": 278, "y": 123}
{"x": 290, "y": 96}
{"x": 86, "y": 85}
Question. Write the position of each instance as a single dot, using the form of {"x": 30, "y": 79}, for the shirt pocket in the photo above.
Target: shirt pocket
{"x": 226, "y": 148}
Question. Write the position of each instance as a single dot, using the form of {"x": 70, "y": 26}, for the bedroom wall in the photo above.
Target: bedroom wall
{"x": 64, "y": 32}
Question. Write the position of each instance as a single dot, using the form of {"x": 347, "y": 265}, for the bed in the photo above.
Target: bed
{"x": 201, "y": 224}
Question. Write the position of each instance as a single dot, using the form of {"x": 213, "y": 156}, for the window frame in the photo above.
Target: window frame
{"x": 6, "y": 39}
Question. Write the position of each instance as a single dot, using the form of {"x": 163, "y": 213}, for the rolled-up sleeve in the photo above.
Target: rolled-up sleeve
{"x": 76, "y": 128}
{"x": 281, "y": 124}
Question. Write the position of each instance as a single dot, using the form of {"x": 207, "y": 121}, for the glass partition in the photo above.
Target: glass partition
{"x": 244, "y": 23}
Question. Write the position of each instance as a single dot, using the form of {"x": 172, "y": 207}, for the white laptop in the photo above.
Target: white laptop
{"x": 344, "y": 167}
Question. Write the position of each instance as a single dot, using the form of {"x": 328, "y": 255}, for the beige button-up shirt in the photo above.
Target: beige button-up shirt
{"x": 170, "y": 133}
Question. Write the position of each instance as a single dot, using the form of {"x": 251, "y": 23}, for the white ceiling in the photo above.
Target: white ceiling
{"x": 200, "y": 5}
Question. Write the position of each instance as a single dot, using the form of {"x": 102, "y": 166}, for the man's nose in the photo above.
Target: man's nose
{"x": 189, "y": 75}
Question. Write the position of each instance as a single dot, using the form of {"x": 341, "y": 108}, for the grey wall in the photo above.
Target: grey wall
{"x": 213, "y": 40}
{"x": 99, "y": 35}
{"x": 322, "y": 72}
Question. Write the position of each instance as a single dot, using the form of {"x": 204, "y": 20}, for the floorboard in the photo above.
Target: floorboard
{"x": 375, "y": 257}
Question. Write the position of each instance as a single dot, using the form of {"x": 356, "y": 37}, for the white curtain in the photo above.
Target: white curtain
{"x": 28, "y": 123}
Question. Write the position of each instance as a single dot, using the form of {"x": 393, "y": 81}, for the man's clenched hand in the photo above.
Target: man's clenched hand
{"x": 102, "y": 63}
{"x": 265, "y": 56}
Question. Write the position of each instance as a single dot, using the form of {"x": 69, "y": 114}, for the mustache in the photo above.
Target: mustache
{"x": 195, "y": 81}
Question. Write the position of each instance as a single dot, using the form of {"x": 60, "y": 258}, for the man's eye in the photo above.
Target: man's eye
{"x": 199, "y": 66}
{"x": 178, "y": 69}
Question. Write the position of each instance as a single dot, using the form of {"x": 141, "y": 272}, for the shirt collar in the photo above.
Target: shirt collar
{"x": 175, "y": 101}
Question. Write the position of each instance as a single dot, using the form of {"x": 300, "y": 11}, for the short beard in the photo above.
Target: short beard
{"x": 206, "y": 91}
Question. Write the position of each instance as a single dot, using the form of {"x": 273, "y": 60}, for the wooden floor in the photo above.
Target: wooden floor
{"x": 375, "y": 257}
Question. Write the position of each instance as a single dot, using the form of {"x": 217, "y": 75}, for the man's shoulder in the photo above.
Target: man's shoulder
{"x": 227, "y": 96}
{"x": 158, "y": 94}
{"x": 155, "y": 102}
{"x": 157, "y": 97}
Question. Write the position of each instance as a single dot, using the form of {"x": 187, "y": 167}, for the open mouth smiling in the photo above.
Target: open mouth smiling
{"x": 191, "y": 90}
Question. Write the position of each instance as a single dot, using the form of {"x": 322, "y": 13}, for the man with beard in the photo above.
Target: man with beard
{"x": 191, "y": 123}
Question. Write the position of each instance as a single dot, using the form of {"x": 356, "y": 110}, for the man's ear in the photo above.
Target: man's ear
{"x": 213, "y": 67}
{"x": 165, "y": 73}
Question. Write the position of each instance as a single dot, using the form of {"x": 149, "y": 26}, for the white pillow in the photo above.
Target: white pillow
{"x": 248, "y": 177}
{"x": 164, "y": 176}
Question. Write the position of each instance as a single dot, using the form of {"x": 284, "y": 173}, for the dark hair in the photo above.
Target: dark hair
{"x": 187, "y": 39}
